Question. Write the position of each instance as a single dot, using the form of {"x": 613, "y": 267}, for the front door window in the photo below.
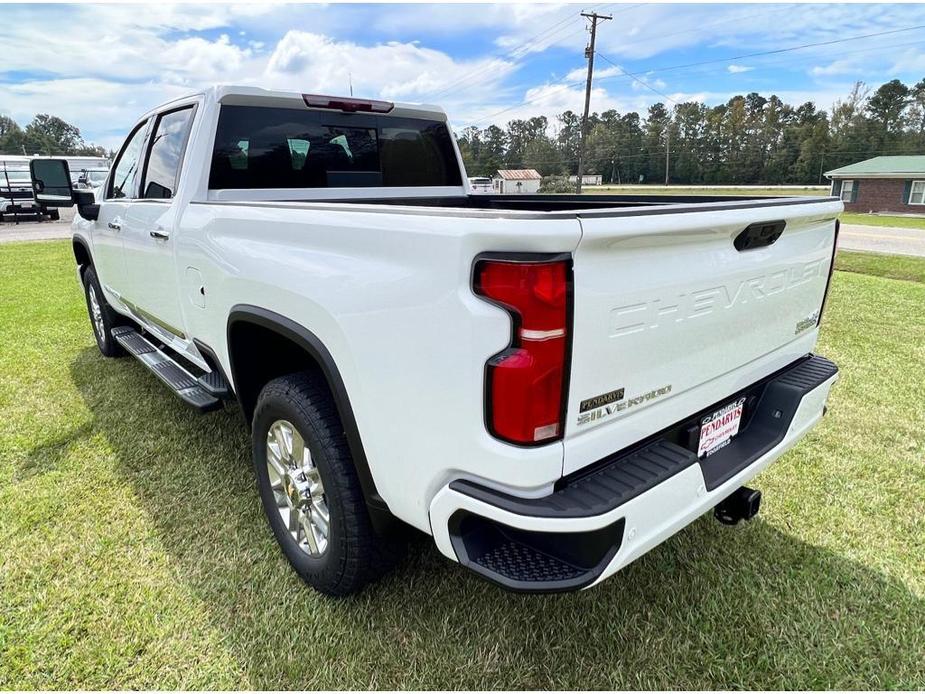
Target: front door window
{"x": 125, "y": 171}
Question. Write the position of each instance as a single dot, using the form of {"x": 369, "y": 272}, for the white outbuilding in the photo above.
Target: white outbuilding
{"x": 517, "y": 181}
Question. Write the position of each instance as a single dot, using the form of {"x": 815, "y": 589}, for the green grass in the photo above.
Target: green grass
{"x": 897, "y": 267}
{"x": 882, "y": 220}
{"x": 135, "y": 553}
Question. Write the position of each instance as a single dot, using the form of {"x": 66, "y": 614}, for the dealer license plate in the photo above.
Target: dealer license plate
{"x": 717, "y": 429}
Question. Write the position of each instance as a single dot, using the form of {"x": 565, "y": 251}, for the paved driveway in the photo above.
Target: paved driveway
{"x": 34, "y": 231}
{"x": 897, "y": 240}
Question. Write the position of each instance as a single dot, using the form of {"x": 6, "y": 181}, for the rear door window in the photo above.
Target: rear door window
{"x": 257, "y": 147}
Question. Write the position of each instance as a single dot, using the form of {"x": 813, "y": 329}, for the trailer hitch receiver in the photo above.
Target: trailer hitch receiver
{"x": 742, "y": 504}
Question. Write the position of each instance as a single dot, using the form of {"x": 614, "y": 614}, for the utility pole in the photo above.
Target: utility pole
{"x": 589, "y": 54}
{"x": 667, "y": 149}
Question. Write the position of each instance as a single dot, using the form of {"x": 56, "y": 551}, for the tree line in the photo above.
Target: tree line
{"x": 47, "y": 135}
{"x": 750, "y": 139}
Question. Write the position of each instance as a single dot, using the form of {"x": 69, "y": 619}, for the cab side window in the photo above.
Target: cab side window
{"x": 122, "y": 183}
{"x": 166, "y": 151}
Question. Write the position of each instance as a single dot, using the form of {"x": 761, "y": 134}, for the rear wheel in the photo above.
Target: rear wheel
{"x": 310, "y": 490}
{"x": 102, "y": 317}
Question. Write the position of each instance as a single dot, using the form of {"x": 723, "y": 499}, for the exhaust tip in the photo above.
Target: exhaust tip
{"x": 742, "y": 504}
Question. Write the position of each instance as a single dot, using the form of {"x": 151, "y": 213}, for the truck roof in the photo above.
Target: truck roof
{"x": 245, "y": 95}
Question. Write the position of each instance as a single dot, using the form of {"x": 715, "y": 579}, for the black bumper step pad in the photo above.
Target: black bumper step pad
{"x": 184, "y": 384}
{"x": 598, "y": 492}
{"x": 533, "y": 561}
{"x": 522, "y": 563}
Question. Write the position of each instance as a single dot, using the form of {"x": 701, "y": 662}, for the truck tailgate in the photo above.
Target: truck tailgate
{"x": 670, "y": 317}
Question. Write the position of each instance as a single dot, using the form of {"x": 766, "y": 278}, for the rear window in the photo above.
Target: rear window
{"x": 258, "y": 147}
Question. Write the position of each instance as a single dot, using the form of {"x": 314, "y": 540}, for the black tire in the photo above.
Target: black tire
{"x": 108, "y": 319}
{"x": 54, "y": 215}
{"x": 355, "y": 555}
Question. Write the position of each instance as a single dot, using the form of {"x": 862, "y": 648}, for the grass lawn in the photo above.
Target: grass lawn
{"x": 882, "y": 220}
{"x": 135, "y": 553}
{"x": 897, "y": 267}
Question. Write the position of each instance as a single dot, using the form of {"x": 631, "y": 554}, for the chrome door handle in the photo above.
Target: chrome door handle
{"x": 158, "y": 234}
{"x": 115, "y": 226}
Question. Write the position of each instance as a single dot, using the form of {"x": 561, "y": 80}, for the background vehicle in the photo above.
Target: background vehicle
{"x": 480, "y": 184}
{"x": 548, "y": 385}
{"x": 16, "y": 196}
{"x": 90, "y": 179}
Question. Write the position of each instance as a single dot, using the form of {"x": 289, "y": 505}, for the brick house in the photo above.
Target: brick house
{"x": 882, "y": 184}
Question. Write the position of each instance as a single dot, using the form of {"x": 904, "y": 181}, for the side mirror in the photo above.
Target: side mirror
{"x": 51, "y": 182}
{"x": 52, "y": 187}
{"x": 86, "y": 205}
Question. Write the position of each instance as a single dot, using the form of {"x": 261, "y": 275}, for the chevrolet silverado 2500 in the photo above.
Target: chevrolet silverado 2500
{"x": 550, "y": 386}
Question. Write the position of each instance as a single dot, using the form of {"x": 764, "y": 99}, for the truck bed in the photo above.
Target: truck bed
{"x": 586, "y": 205}
{"x": 559, "y": 202}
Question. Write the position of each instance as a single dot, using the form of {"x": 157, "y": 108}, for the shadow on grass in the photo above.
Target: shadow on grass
{"x": 714, "y": 607}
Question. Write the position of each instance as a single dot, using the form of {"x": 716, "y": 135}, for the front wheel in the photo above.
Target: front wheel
{"x": 102, "y": 317}
{"x": 310, "y": 490}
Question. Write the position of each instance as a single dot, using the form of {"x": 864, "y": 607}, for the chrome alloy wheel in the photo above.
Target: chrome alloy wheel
{"x": 96, "y": 313}
{"x": 297, "y": 488}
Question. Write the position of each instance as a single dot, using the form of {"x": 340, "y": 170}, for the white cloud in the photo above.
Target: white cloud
{"x": 581, "y": 73}
{"x": 206, "y": 60}
{"x": 102, "y": 81}
{"x": 837, "y": 67}
{"x": 910, "y": 60}
{"x": 402, "y": 71}
{"x": 116, "y": 61}
{"x": 111, "y": 110}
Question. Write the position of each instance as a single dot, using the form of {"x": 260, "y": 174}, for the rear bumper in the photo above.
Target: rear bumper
{"x": 597, "y": 523}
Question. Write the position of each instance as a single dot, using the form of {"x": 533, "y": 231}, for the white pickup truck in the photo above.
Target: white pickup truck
{"x": 549, "y": 386}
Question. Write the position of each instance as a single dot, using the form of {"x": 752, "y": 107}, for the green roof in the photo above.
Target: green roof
{"x": 883, "y": 166}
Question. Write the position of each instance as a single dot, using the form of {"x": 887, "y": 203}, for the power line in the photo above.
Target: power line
{"x": 549, "y": 36}
{"x": 705, "y": 62}
{"x": 699, "y": 27}
{"x": 866, "y": 51}
{"x": 667, "y": 125}
{"x": 636, "y": 78}
{"x": 780, "y": 50}
{"x": 509, "y": 54}
{"x": 488, "y": 68}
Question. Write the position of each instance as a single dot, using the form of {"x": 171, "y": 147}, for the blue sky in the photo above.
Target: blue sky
{"x": 100, "y": 66}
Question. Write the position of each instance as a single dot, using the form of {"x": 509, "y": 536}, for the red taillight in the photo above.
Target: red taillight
{"x": 526, "y": 382}
{"x": 341, "y": 103}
